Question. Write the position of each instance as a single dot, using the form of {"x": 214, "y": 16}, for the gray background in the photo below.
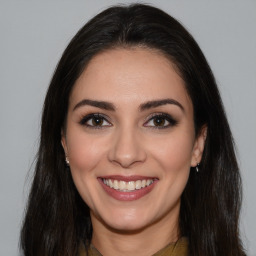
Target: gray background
{"x": 33, "y": 34}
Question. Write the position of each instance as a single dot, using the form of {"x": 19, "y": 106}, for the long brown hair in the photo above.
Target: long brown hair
{"x": 58, "y": 220}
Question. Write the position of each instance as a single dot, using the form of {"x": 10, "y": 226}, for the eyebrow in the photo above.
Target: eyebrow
{"x": 157, "y": 103}
{"x": 95, "y": 103}
{"x": 144, "y": 106}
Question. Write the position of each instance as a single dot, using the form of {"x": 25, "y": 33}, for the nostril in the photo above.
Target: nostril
{"x": 127, "y": 148}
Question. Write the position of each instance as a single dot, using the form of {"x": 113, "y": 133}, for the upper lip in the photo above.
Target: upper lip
{"x": 128, "y": 178}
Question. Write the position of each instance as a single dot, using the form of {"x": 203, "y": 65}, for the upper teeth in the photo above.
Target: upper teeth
{"x": 127, "y": 186}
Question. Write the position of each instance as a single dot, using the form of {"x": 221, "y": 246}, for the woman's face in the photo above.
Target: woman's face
{"x": 130, "y": 139}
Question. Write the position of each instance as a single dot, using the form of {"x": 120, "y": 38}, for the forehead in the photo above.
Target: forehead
{"x": 129, "y": 76}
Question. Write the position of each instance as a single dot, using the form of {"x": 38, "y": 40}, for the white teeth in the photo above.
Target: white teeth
{"x": 127, "y": 186}
{"x": 115, "y": 184}
{"x": 130, "y": 186}
{"x": 122, "y": 185}
{"x": 138, "y": 184}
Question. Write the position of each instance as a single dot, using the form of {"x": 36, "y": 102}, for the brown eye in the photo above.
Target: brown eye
{"x": 159, "y": 121}
{"x": 97, "y": 121}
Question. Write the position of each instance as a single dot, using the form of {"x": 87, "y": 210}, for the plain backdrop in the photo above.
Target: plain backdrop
{"x": 33, "y": 35}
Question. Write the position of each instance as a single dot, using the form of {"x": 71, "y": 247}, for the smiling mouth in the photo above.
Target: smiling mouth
{"x": 127, "y": 186}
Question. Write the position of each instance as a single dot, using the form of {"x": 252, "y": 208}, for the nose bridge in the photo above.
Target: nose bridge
{"x": 127, "y": 147}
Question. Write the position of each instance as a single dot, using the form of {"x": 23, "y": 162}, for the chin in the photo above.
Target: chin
{"x": 132, "y": 221}
{"x": 126, "y": 227}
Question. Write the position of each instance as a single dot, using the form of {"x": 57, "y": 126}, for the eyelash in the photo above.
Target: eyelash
{"x": 163, "y": 116}
{"x": 89, "y": 117}
{"x": 166, "y": 117}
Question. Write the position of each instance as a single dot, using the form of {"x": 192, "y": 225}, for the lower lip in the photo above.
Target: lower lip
{"x": 127, "y": 196}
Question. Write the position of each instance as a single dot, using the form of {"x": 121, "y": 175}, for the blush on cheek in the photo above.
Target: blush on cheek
{"x": 85, "y": 154}
{"x": 82, "y": 160}
{"x": 175, "y": 154}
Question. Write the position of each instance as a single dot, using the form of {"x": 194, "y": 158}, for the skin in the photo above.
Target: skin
{"x": 129, "y": 143}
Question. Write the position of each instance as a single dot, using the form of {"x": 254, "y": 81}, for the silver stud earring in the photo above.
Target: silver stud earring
{"x": 67, "y": 161}
{"x": 197, "y": 168}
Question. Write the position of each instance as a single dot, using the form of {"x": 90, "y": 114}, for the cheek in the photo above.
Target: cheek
{"x": 174, "y": 153}
{"x": 174, "y": 159}
{"x": 84, "y": 151}
{"x": 85, "y": 154}
{"x": 172, "y": 156}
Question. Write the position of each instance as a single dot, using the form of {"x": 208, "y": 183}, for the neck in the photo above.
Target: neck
{"x": 141, "y": 242}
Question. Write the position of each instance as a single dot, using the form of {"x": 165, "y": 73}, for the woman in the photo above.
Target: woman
{"x": 136, "y": 156}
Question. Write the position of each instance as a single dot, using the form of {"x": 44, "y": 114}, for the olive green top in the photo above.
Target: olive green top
{"x": 180, "y": 248}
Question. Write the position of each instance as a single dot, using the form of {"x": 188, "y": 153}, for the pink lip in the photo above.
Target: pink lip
{"x": 127, "y": 178}
{"x": 127, "y": 196}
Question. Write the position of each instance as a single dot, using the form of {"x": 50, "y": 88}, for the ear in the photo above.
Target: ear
{"x": 64, "y": 142}
{"x": 198, "y": 148}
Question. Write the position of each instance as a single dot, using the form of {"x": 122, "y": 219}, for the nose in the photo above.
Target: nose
{"x": 127, "y": 148}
